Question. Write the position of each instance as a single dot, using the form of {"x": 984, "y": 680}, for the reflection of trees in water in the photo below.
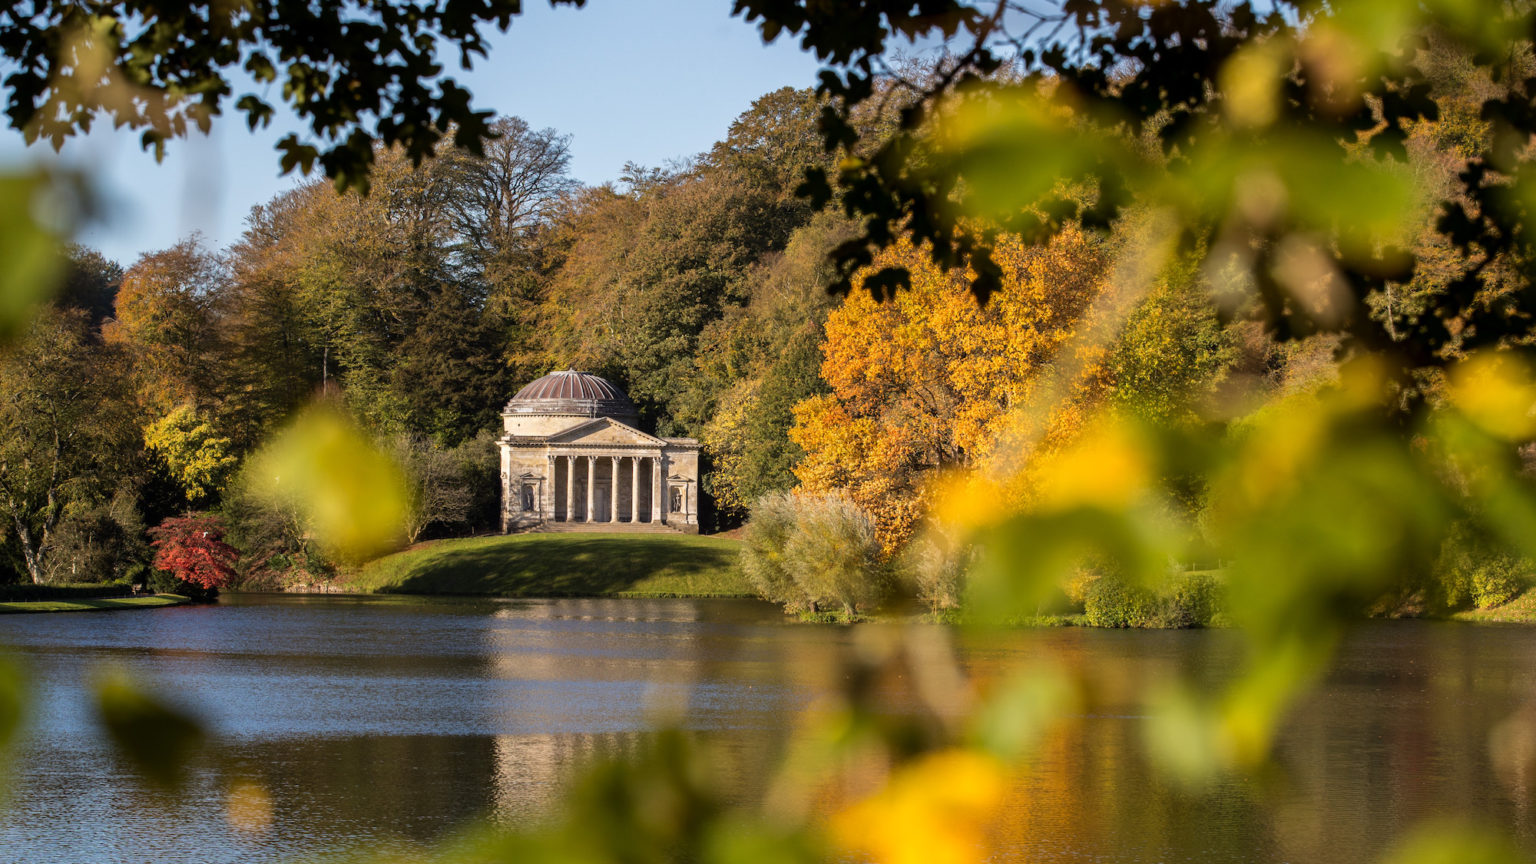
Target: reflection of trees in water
{"x": 414, "y": 787}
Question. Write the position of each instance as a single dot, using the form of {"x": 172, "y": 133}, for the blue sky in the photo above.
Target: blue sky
{"x": 629, "y": 80}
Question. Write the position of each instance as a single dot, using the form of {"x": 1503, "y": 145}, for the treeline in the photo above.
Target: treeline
{"x": 420, "y": 308}
{"x": 929, "y": 389}
{"x": 700, "y": 288}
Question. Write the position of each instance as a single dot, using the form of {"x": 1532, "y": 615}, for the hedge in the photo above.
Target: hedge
{"x": 27, "y": 593}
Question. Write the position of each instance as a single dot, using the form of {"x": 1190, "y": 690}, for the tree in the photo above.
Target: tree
{"x": 273, "y": 349}
{"x": 192, "y": 550}
{"x": 67, "y": 431}
{"x": 356, "y": 73}
{"x": 501, "y": 198}
{"x": 165, "y": 321}
{"x": 436, "y": 493}
{"x": 90, "y": 283}
{"x": 926, "y": 381}
{"x": 199, "y": 459}
{"x": 1177, "y": 107}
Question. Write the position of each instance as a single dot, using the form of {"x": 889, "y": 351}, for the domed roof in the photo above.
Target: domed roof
{"x": 572, "y": 392}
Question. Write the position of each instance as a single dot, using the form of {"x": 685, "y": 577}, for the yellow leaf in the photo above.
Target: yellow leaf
{"x": 1497, "y": 392}
{"x": 352, "y": 495}
{"x": 933, "y": 811}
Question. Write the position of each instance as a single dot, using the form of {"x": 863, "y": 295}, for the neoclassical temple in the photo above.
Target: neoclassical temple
{"x": 571, "y": 457}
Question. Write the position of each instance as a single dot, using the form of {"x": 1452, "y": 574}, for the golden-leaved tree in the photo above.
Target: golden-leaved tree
{"x": 923, "y": 381}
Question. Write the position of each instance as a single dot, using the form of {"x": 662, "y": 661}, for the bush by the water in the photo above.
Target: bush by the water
{"x": 934, "y": 565}
{"x": 1474, "y": 570}
{"x": 806, "y": 551}
{"x": 1187, "y": 600}
{"x": 762, "y": 554}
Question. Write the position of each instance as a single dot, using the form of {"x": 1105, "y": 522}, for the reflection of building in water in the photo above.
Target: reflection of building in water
{"x": 678, "y": 610}
{"x": 530, "y": 771}
{"x": 572, "y": 456}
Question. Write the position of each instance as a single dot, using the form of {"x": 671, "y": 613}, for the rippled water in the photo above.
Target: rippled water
{"x": 398, "y": 719}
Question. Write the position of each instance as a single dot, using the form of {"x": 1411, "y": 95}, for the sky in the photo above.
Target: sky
{"x": 629, "y": 80}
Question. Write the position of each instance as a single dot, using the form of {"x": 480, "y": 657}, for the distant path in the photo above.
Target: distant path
{"x": 578, "y": 564}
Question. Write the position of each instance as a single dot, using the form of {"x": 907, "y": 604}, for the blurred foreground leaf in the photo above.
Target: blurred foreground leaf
{"x": 351, "y": 495}
{"x": 1456, "y": 843}
{"x": 13, "y": 703}
{"x": 155, "y": 737}
{"x": 34, "y": 265}
{"x": 933, "y": 811}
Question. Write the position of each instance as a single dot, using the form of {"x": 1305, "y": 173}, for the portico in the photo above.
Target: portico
{"x": 569, "y": 459}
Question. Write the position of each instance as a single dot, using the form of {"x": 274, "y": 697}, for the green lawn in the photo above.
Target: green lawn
{"x": 562, "y": 565}
{"x": 94, "y": 604}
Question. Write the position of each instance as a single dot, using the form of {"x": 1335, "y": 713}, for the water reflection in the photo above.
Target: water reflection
{"x": 398, "y": 719}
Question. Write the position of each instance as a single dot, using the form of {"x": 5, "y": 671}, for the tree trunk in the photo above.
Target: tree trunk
{"x": 31, "y": 555}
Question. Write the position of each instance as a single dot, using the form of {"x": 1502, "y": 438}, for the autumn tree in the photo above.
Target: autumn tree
{"x": 199, "y": 460}
{"x": 165, "y": 322}
{"x": 922, "y": 382}
{"x": 192, "y": 551}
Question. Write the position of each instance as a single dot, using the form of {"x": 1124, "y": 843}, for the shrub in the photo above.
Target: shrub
{"x": 1497, "y": 581}
{"x": 1187, "y": 600}
{"x": 806, "y": 550}
{"x": 29, "y": 593}
{"x": 762, "y": 551}
{"x": 1111, "y": 602}
{"x": 1472, "y": 568}
{"x": 833, "y": 554}
{"x": 935, "y": 565}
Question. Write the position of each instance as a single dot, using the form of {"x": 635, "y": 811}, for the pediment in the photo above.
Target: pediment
{"x": 605, "y": 430}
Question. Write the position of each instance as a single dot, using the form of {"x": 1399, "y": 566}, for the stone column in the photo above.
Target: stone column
{"x": 547, "y": 510}
{"x": 656, "y": 503}
{"x": 634, "y": 490}
{"x": 570, "y": 488}
{"x": 613, "y": 489}
{"x": 591, "y": 486}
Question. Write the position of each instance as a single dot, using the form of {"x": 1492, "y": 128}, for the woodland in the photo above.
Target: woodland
{"x": 701, "y": 287}
{"x": 1110, "y": 297}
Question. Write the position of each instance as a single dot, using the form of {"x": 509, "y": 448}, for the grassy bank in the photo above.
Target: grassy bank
{"x": 561, "y": 565}
{"x": 91, "y": 604}
{"x": 1521, "y": 610}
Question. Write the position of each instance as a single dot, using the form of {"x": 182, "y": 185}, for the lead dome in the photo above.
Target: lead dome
{"x": 573, "y": 392}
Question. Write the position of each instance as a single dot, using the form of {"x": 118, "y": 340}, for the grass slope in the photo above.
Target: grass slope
{"x": 93, "y": 604}
{"x": 562, "y": 565}
{"x": 1521, "y": 610}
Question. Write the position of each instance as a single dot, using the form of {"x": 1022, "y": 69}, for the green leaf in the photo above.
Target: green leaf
{"x": 33, "y": 262}
{"x": 155, "y": 737}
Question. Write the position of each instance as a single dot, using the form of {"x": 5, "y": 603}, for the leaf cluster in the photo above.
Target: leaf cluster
{"x": 358, "y": 74}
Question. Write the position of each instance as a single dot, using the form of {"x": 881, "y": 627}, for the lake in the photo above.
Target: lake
{"x": 396, "y": 720}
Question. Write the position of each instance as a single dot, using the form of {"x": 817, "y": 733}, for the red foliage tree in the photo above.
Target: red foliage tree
{"x": 192, "y": 549}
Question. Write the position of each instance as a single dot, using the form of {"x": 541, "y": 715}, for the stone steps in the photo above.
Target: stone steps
{"x": 604, "y": 528}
